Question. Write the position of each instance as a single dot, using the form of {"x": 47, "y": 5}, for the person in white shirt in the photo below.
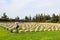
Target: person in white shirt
{"x": 17, "y": 26}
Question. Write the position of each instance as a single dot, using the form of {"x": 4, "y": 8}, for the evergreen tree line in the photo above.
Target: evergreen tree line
{"x": 38, "y": 18}
{"x": 44, "y": 18}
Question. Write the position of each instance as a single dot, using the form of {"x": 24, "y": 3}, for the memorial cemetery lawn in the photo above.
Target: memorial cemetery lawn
{"x": 47, "y": 35}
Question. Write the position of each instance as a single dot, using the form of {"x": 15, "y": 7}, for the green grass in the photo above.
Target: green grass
{"x": 7, "y": 35}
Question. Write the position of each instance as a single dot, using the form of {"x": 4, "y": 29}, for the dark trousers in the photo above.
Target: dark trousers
{"x": 17, "y": 30}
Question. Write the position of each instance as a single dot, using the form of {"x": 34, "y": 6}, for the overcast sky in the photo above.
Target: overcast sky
{"x": 24, "y": 8}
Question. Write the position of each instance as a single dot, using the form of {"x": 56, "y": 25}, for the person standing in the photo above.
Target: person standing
{"x": 17, "y": 26}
